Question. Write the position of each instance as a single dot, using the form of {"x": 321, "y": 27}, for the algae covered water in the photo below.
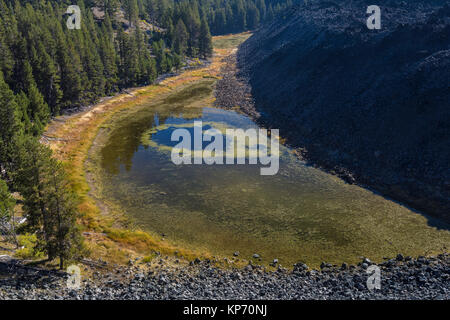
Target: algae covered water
{"x": 299, "y": 214}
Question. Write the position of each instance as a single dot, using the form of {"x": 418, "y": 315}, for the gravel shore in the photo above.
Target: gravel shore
{"x": 401, "y": 278}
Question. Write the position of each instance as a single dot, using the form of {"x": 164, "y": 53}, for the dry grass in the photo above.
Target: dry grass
{"x": 231, "y": 41}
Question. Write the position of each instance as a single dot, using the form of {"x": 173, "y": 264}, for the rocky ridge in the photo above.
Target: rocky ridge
{"x": 401, "y": 278}
{"x": 368, "y": 105}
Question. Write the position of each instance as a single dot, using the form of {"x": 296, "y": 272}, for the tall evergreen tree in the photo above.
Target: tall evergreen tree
{"x": 205, "y": 40}
{"x": 7, "y": 217}
{"x": 110, "y": 7}
{"x": 38, "y": 111}
{"x": 49, "y": 203}
{"x": 181, "y": 38}
{"x": 47, "y": 78}
{"x": 66, "y": 242}
{"x": 253, "y": 16}
{"x": 6, "y": 56}
{"x": 220, "y": 21}
{"x": 9, "y": 124}
{"x": 70, "y": 65}
{"x": 239, "y": 16}
{"x": 132, "y": 12}
{"x": 108, "y": 56}
{"x": 261, "y": 4}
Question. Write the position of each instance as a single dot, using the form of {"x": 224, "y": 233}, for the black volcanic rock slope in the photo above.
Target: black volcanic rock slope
{"x": 375, "y": 103}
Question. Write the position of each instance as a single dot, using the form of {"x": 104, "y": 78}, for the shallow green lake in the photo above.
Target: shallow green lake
{"x": 300, "y": 214}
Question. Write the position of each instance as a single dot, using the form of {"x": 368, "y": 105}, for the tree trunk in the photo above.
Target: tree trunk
{"x": 13, "y": 228}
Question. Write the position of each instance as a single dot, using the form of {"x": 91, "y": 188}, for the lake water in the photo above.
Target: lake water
{"x": 300, "y": 214}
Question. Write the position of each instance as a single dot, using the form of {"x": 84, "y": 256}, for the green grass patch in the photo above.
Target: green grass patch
{"x": 230, "y": 41}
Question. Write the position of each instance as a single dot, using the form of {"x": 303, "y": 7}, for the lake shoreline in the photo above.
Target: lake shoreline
{"x": 121, "y": 145}
{"x": 115, "y": 230}
{"x": 110, "y": 234}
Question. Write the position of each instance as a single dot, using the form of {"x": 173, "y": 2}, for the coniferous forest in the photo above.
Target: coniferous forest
{"x": 47, "y": 68}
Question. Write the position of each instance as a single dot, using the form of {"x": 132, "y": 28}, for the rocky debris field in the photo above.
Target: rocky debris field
{"x": 370, "y": 105}
{"x": 232, "y": 92}
{"x": 401, "y": 278}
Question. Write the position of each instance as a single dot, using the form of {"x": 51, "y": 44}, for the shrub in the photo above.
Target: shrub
{"x": 27, "y": 245}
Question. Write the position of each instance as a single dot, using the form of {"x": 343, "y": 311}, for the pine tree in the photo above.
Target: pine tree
{"x": 181, "y": 38}
{"x": 239, "y": 16}
{"x": 9, "y": 124}
{"x": 49, "y": 204}
{"x": 129, "y": 58}
{"x": 6, "y": 56}
{"x": 177, "y": 62}
{"x": 108, "y": 56}
{"x": 261, "y": 4}
{"x": 47, "y": 78}
{"x": 170, "y": 33}
{"x": 230, "y": 18}
{"x": 205, "y": 41}
{"x": 220, "y": 21}
{"x": 158, "y": 49}
{"x": 39, "y": 112}
{"x": 109, "y": 6}
{"x": 69, "y": 62}
{"x": 32, "y": 162}
{"x": 161, "y": 9}
{"x": 65, "y": 237}
{"x": 7, "y": 202}
{"x": 23, "y": 105}
{"x": 252, "y": 17}
{"x": 132, "y": 12}
{"x": 92, "y": 63}
{"x": 7, "y": 217}
{"x": 22, "y": 74}
{"x": 191, "y": 17}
